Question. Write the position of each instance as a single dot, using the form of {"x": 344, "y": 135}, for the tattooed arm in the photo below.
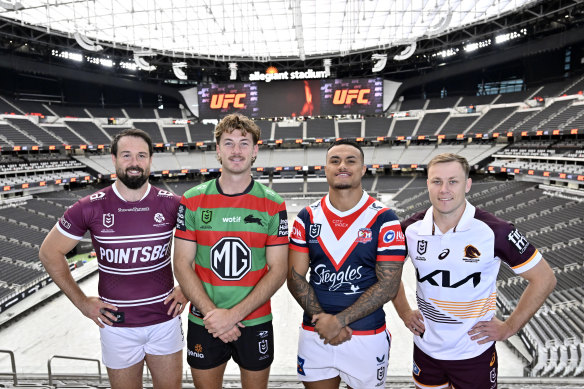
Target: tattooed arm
{"x": 388, "y": 281}
{"x": 298, "y": 264}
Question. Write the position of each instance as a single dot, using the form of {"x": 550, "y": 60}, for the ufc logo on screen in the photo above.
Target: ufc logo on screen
{"x": 347, "y": 96}
{"x": 224, "y": 100}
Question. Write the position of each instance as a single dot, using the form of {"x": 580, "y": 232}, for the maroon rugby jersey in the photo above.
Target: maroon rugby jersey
{"x": 132, "y": 241}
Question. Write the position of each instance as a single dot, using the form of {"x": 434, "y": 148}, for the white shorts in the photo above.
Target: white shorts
{"x": 122, "y": 347}
{"x": 361, "y": 362}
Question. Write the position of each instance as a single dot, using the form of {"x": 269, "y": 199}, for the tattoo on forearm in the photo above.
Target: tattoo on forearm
{"x": 387, "y": 286}
{"x": 304, "y": 294}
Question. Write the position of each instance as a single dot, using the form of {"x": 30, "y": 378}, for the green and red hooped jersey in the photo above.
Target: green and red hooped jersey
{"x": 232, "y": 232}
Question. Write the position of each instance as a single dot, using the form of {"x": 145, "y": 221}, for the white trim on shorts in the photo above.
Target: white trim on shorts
{"x": 361, "y": 362}
{"x": 122, "y": 347}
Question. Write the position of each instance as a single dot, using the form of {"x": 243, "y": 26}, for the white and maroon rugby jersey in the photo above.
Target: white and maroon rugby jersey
{"x": 343, "y": 248}
{"x": 457, "y": 276}
{"x": 132, "y": 241}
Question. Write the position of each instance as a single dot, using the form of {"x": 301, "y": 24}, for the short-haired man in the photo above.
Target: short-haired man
{"x": 230, "y": 257}
{"x": 131, "y": 225}
{"x": 354, "y": 248}
{"x": 456, "y": 250}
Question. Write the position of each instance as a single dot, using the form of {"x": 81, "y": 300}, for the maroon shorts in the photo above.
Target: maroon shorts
{"x": 479, "y": 372}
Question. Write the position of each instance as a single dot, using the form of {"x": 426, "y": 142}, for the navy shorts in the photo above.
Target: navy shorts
{"x": 479, "y": 372}
{"x": 253, "y": 350}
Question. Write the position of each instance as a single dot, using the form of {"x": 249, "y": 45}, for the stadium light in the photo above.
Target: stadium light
{"x": 128, "y": 65}
{"x": 510, "y": 36}
{"x": 446, "y": 53}
{"x": 67, "y": 55}
{"x": 477, "y": 45}
{"x": 471, "y": 47}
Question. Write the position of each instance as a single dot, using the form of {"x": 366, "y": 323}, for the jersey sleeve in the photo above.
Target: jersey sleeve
{"x": 185, "y": 219}
{"x": 391, "y": 244}
{"x": 514, "y": 249}
{"x": 73, "y": 223}
{"x": 298, "y": 237}
{"x": 278, "y": 226}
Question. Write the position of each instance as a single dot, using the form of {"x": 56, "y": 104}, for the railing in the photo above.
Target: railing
{"x": 13, "y": 373}
{"x": 69, "y": 376}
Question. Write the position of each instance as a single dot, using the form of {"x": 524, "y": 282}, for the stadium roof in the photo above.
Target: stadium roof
{"x": 254, "y": 29}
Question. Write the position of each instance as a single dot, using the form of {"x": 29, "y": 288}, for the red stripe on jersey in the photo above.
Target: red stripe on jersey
{"x": 250, "y": 279}
{"x": 294, "y": 247}
{"x": 390, "y": 258}
{"x": 264, "y": 310}
{"x": 391, "y": 236}
{"x": 186, "y": 235}
{"x": 340, "y": 224}
{"x": 355, "y": 243}
{"x": 247, "y": 201}
{"x": 298, "y": 231}
{"x": 258, "y": 240}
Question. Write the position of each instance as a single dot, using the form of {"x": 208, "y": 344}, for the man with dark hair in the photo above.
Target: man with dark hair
{"x": 457, "y": 250}
{"x": 354, "y": 248}
{"x": 131, "y": 225}
{"x": 231, "y": 246}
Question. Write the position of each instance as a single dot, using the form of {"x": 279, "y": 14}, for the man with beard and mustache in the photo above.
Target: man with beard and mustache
{"x": 131, "y": 225}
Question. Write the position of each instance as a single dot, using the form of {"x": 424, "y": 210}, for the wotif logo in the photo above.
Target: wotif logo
{"x": 224, "y": 100}
{"x": 346, "y": 96}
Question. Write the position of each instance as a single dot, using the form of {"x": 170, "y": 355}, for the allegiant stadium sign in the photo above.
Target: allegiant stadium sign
{"x": 296, "y": 75}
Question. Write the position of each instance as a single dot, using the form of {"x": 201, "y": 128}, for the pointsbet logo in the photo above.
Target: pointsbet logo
{"x": 347, "y": 96}
{"x": 224, "y": 100}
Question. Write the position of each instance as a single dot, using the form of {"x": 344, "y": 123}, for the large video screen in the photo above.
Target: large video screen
{"x": 218, "y": 100}
{"x": 292, "y": 98}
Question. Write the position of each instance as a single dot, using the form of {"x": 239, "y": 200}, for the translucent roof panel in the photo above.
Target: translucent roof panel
{"x": 256, "y": 29}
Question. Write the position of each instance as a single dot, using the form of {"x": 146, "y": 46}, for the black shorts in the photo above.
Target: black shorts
{"x": 479, "y": 372}
{"x": 253, "y": 350}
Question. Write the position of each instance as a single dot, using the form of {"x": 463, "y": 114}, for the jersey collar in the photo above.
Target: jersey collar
{"x": 464, "y": 223}
{"x": 115, "y": 189}
{"x": 358, "y": 206}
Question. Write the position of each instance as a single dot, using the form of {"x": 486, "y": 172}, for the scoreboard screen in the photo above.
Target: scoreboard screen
{"x": 292, "y": 98}
{"x": 352, "y": 96}
{"x": 218, "y": 100}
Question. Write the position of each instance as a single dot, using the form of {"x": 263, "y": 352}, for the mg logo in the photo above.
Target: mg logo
{"x": 223, "y": 100}
{"x": 346, "y": 96}
{"x": 230, "y": 259}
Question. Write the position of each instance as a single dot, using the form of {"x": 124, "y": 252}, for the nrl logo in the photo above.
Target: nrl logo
{"x": 422, "y": 246}
{"x": 263, "y": 346}
{"x": 206, "y": 216}
{"x": 108, "y": 220}
{"x": 314, "y": 230}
